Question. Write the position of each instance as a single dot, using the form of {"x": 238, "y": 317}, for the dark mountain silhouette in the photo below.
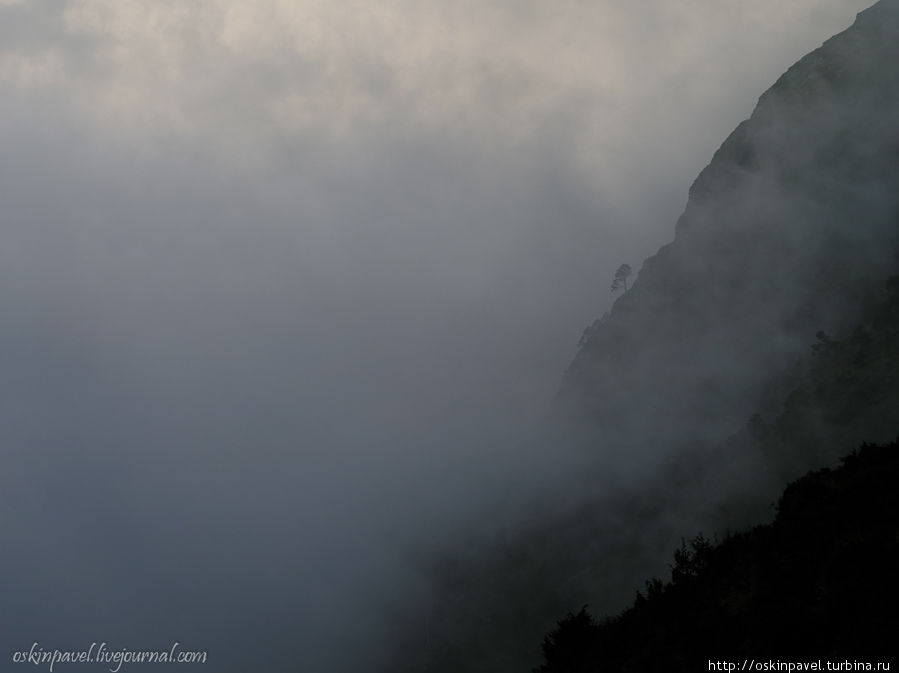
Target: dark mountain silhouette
{"x": 758, "y": 345}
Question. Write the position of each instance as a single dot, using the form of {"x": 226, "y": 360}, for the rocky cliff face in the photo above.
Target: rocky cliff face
{"x": 789, "y": 230}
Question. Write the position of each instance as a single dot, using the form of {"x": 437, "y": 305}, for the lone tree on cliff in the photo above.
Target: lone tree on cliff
{"x": 621, "y": 276}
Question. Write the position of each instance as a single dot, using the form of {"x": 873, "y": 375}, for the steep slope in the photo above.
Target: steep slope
{"x": 792, "y": 229}
{"x": 494, "y": 603}
{"x": 789, "y": 230}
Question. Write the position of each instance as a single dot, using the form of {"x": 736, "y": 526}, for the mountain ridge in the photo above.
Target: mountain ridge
{"x": 698, "y": 396}
{"x": 771, "y": 230}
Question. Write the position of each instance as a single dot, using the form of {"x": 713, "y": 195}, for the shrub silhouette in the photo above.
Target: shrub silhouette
{"x": 819, "y": 582}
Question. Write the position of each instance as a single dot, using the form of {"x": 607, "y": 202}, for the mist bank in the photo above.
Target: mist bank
{"x": 229, "y": 407}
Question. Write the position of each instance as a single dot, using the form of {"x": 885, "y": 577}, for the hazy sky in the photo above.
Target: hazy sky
{"x": 279, "y": 278}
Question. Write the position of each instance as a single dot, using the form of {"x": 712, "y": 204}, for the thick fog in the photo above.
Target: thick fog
{"x": 284, "y": 285}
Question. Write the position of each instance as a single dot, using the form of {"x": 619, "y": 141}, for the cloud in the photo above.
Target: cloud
{"x": 493, "y": 69}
